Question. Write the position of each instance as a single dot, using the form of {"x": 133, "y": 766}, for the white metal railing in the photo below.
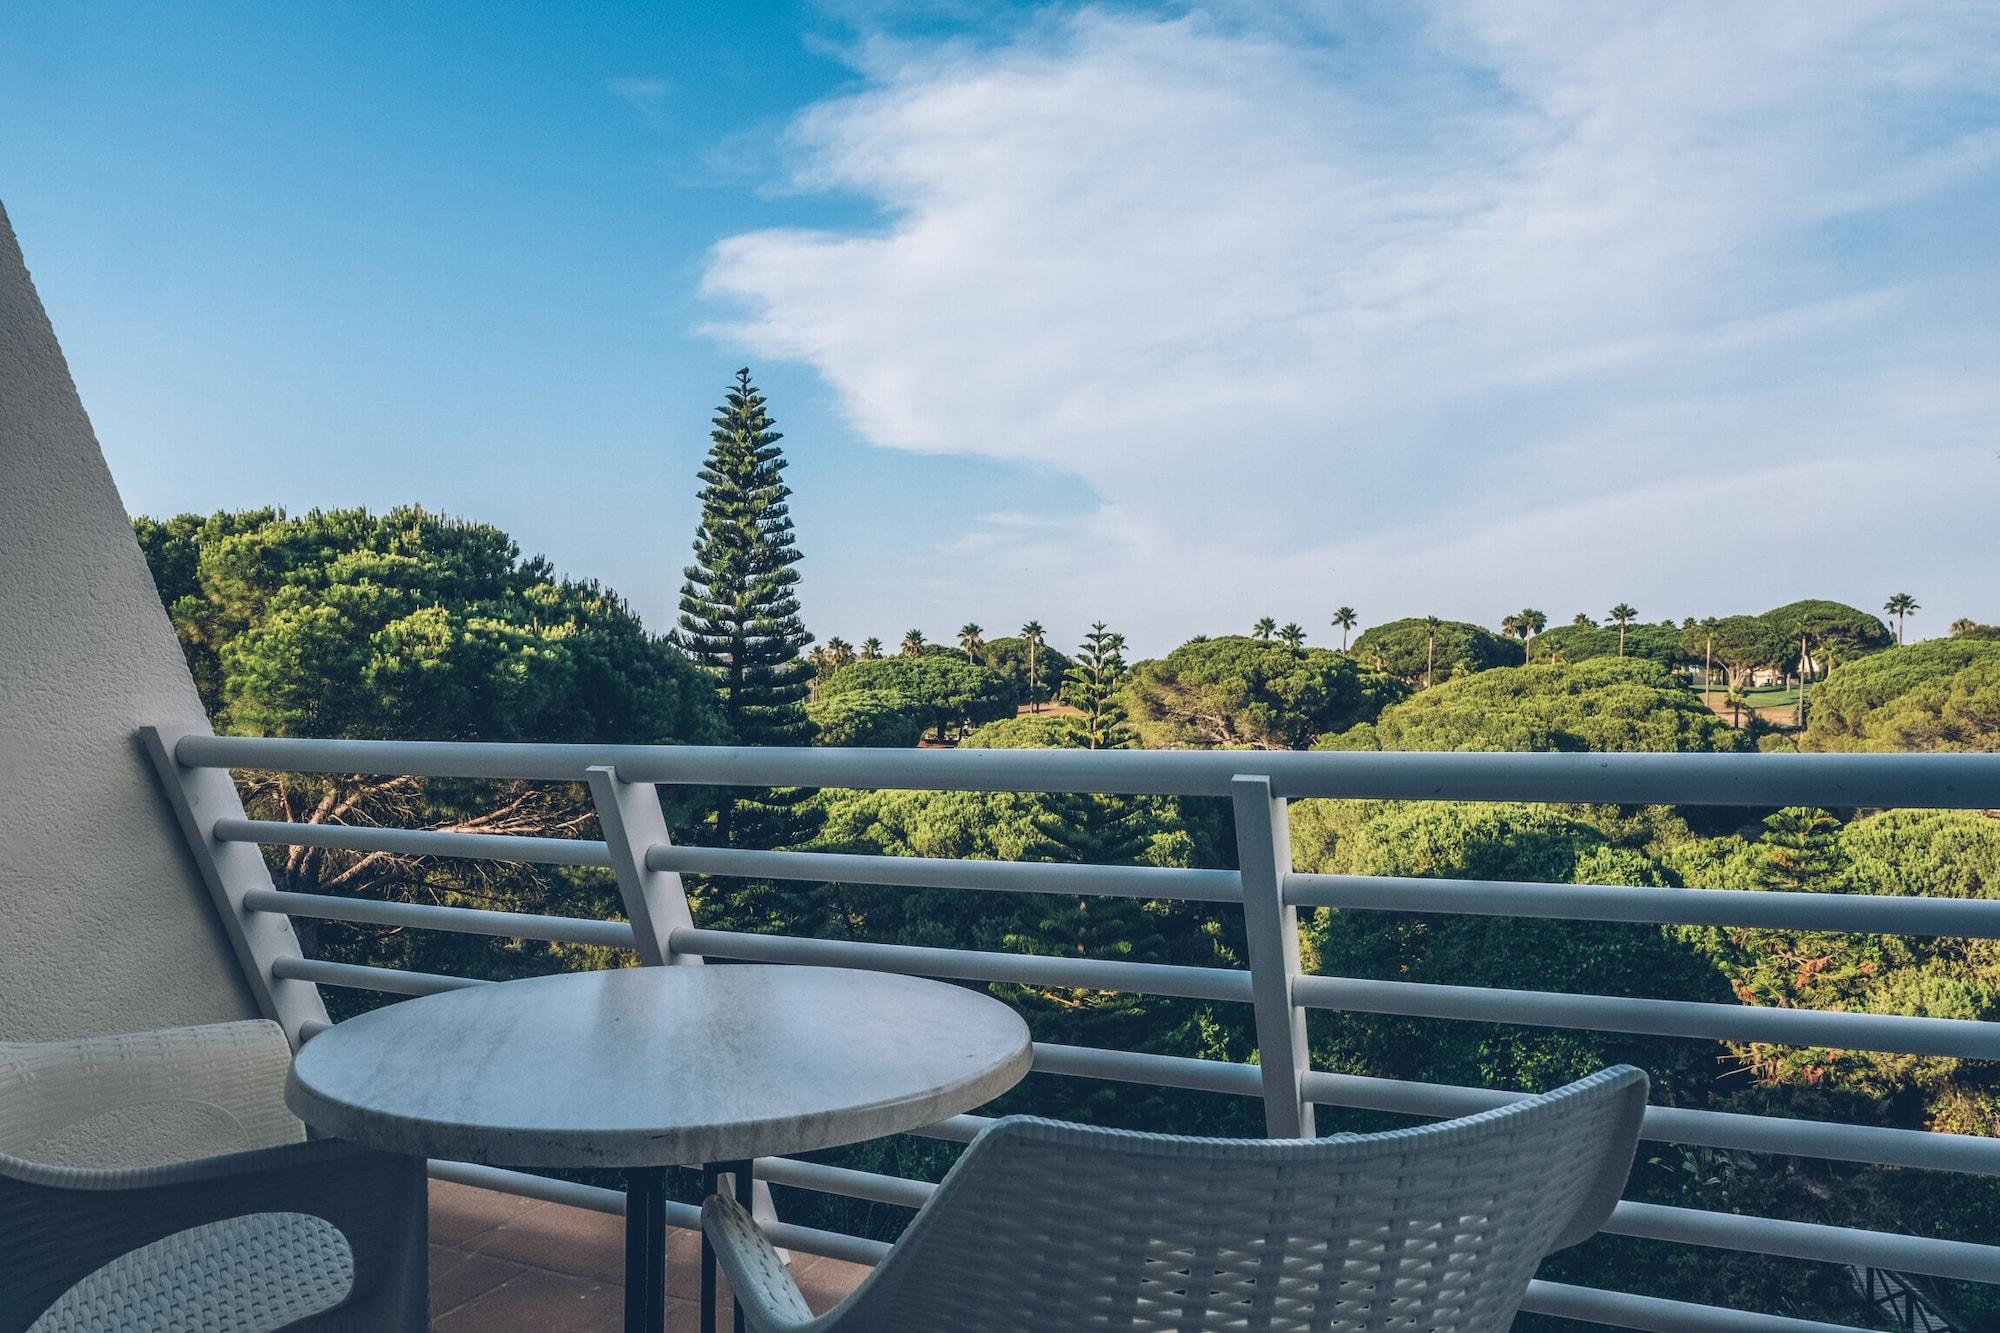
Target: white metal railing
{"x": 624, "y": 782}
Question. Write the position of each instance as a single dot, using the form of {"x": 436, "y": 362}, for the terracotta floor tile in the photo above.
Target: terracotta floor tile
{"x": 535, "y": 1301}
{"x": 457, "y": 1277}
{"x": 576, "y": 1241}
{"x": 460, "y": 1212}
{"x": 528, "y": 1267}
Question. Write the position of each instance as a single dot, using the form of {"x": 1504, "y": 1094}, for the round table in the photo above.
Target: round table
{"x": 646, "y": 1068}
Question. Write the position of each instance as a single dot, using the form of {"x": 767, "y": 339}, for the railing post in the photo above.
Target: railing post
{"x": 199, "y": 798}
{"x": 1271, "y": 930}
{"x": 655, "y": 902}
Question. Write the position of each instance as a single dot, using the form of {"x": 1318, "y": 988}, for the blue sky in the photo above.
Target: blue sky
{"x": 1168, "y": 316}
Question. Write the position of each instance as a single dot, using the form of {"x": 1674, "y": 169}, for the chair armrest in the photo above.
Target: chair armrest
{"x": 60, "y": 1224}
{"x": 763, "y": 1289}
{"x": 236, "y": 1070}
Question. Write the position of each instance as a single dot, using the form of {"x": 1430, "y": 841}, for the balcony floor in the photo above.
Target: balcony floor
{"x": 500, "y": 1262}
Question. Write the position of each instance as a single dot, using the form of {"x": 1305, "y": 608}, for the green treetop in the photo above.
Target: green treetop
{"x": 1096, "y": 674}
{"x": 1244, "y": 692}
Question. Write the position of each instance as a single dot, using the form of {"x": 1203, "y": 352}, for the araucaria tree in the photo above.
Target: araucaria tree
{"x": 739, "y": 606}
{"x": 1095, "y": 676}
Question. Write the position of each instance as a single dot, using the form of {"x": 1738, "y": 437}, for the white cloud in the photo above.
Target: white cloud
{"x": 1560, "y": 291}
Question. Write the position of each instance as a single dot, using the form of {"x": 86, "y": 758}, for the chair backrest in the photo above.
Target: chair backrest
{"x": 1044, "y": 1225}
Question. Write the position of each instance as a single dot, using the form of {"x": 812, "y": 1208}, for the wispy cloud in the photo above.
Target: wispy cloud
{"x": 646, "y": 96}
{"x": 1305, "y": 295}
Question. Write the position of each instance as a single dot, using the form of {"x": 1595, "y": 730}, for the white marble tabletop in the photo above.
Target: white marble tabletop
{"x": 658, "y": 1066}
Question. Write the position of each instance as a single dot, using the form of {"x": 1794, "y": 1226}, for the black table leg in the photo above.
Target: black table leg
{"x": 746, "y": 1196}
{"x": 746, "y": 1190}
{"x": 646, "y": 1250}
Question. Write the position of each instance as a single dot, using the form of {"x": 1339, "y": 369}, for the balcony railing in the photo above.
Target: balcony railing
{"x": 624, "y": 783}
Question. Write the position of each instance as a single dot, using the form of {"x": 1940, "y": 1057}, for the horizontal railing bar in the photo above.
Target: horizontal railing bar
{"x": 811, "y": 1240}
{"x": 1874, "y": 1145}
{"x": 1961, "y": 1038}
{"x": 1807, "y": 1240}
{"x": 1853, "y": 912}
{"x": 1654, "y": 1314}
{"x": 1942, "y": 781}
{"x": 1162, "y": 1071}
{"x": 358, "y": 976}
{"x": 940, "y": 872}
{"x": 1197, "y": 983}
{"x": 429, "y": 916}
{"x": 849, "y": 1184}
{"x": 957, "y": 1129}
{"x": 548, "y": 1189}
{"x": 415, "y": 842}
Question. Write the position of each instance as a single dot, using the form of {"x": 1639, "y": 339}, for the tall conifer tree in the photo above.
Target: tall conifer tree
{"x": 739, "y": 606}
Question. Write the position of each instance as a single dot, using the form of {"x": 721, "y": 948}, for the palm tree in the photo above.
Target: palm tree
{"x": 1708, "y": 659}
{"x": 1524, "y": 625}
{"x": 970, "y": 640}
{"x": 1737, "y": 701}
{"x": 1293, "y": 636}
{"x": 1899, "y": 606}
{"x": 1031, "y": 635}
{"x": 871, "y": 649}
{"x": 1344, "y": 620}
{"x": 1264, "y": 628}
{"x": 1582, "y": 620}
{"x": 913, "y": 642}
{"x": 1624, "y": 614}
{"x": 839, "y": 652}
{"x": 1431, "y": 624}
{"x": 1963, "y": 625}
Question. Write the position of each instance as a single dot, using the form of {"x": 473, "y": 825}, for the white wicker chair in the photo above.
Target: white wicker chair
{"x": 1044, "y": 1226}
{"x": 155, "y": 1183}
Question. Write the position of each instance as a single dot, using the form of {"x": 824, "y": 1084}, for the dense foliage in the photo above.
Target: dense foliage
{"x": 1602, "y": 704}
{"x": 1834, "y": 632}
{"x": 1579, "y": 643}
{"x": 1410, "y": 649}
{"x": 864, "y": 717}
{"x": 1035, "y": 670}
{"x": 1943, "y": 694}
{"x": 1244, "y": 692}
{"x": 942, "y": 691}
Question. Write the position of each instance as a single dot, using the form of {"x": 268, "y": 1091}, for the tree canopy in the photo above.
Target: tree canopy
{"x": 1835, "y": 632}
{"x": 1580, "y": 643}
{"x": 1403, "y": 649}
{"x": 411, "y": 626}
{"x": 1238, "y": 691}
{"x": 1740, "y": 644}
{"x": 1942, "y": 694}
{"x": 942, "y": 691}
{"x": 1009, "y": 656}
{"x": 1603, "y": 704}
{"x": 864, "y": 718}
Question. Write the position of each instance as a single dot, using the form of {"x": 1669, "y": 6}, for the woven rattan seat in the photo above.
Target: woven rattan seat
{"x": 1046, "y": 1226}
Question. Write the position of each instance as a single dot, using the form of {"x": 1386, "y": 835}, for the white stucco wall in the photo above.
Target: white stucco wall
{"x": 105, "y": 925}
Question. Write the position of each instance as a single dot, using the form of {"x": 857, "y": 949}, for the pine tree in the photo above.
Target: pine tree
{"x": 739, "y": 606}
{"x": 1091, "y": 687}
